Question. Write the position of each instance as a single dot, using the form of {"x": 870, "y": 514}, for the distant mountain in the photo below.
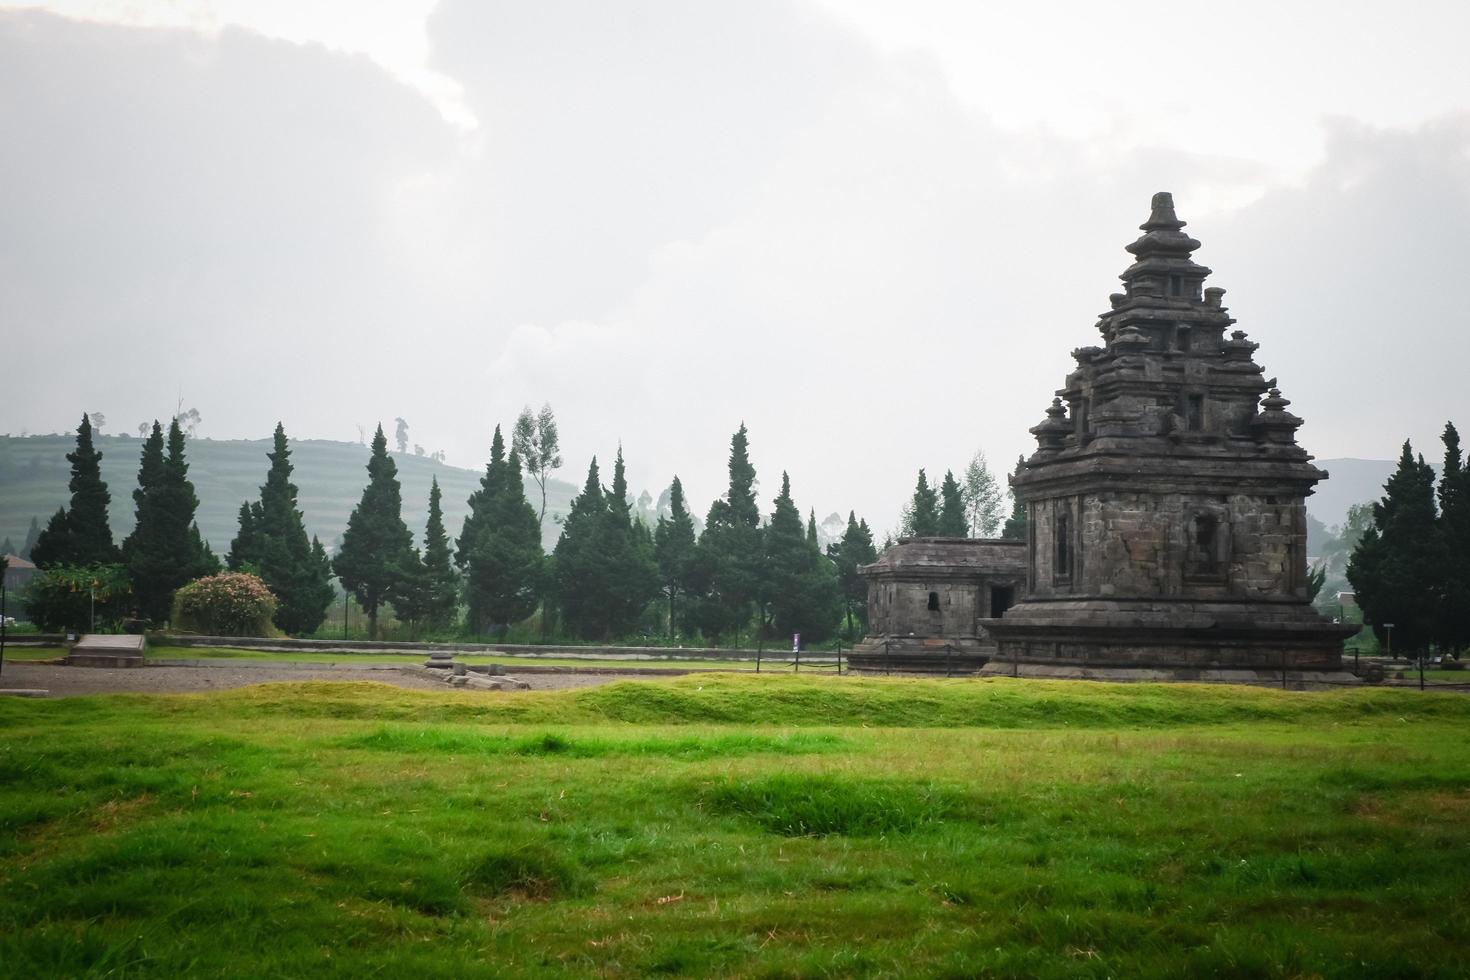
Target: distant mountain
{"x": 1350, "y": 481}
{"x": 226, "y": 472}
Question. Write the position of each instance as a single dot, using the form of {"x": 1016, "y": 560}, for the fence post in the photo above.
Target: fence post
{"x": 948, "y": 668}
{"x": 887, "y": 662}
{"x": 797, "y": 651}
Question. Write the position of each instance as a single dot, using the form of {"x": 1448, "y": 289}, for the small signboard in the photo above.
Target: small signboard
{"x": 795, "y": 642}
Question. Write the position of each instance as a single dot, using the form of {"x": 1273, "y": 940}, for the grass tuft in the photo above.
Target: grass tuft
{"x": 818, "y": 806}
{"x": 531, "y": 870}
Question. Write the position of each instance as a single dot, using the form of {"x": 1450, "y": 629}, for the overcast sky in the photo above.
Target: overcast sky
{"x": 872, "y": 230}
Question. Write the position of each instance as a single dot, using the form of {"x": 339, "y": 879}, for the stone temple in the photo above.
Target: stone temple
{"x": 1166, "y": 500}
{"x": 927, "y": 598}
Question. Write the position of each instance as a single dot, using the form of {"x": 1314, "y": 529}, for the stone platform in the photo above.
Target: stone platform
{"x": 1293, "y": 680}
{"x": 961, "y": 657}
{"x": 99, "y": 650}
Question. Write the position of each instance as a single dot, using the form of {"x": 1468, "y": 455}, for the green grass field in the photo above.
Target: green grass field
{"x": 722, "y": 824}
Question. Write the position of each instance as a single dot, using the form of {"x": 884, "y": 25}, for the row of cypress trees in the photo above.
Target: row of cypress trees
{"x": 608, "y": 568}
{"x": 1411, "y": 568}
{"x": 944, "y": 513}
{"x": 164, "y": 550}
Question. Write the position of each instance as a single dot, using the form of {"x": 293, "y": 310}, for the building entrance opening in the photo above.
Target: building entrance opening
{"x": 1002, "y": 597}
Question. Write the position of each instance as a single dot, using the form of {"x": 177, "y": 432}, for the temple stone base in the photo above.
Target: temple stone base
{"x": 97, "y": 650}
{"x": 956, "y": 657}
{"x": 1291, "y": 680}
{"x": 1182, "y": 638}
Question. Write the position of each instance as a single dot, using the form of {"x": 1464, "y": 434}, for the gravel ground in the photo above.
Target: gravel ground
{"x": 61, "y": 681}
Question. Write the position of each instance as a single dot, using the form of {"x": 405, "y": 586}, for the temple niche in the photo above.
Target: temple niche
{"x": 1166, "y": 499}
{"x": 927, "y": 598}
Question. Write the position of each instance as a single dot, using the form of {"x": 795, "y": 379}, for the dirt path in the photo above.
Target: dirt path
{"x": 61, "y": 681}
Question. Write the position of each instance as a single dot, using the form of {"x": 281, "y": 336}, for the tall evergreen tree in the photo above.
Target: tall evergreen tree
{"x": 32, "y": 534}
{"x": 673, "y": 548}
{"x": 953, "y": 521}
{"x": 377, "y": 559}
{"x": 80, "y": 535}
{"x": 801, "y": 586}
{"x": 728, "y": 561}
{"x": 1015, "y": 528}
{"x": 165, "y": 549}
{"x": 850, "y": 554}
{"x": 244, "y": 550}
{"x": 921, "y": 516}
{"x": 1396, "y": 568}
{"x": 272, "y": 541}
{"x": 7, "y": 547}
{"x": 580, "y": 576}
{"x": 1454, "y": 518}
{"x": 505, "y": 561}
{"x": 628, "y": 554}
{"x": 441, "y": 599}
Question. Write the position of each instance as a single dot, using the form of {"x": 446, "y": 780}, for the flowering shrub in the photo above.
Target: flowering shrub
{"x": 228, "y": 604}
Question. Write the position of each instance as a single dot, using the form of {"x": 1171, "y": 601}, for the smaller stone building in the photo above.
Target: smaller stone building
{"x": 926, "y": 598}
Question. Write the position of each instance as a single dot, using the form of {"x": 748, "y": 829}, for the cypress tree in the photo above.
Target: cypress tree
{"x": 165, "y": 549}
{"x": 627, "y": 551}
{"x": 953, "y": 522}
{"x": 441, "y": 600}
{"x": 32, "y": 534}
{"x": 673, "y": 549}
{"x": 922, "y": 517}
{"x": 504, "y": 557}
{"x": 80, "y": 535}
{"x": 244, "y": 553}
{"x": 7, "y": 547}
{"x": 272, "y": 541}
{"x": 728, "y": 561}
{"x": 850, "y": 554}
{"x": 580, "y": 580}
{"x": 1454, "y": 519}
{"x": 1015, "y": 528}
{"x": 377, "y": 558}
{"x": 1396, "y": 568}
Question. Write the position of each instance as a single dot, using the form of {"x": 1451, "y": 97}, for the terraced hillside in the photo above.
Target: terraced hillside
{"x": 34, "y": 474}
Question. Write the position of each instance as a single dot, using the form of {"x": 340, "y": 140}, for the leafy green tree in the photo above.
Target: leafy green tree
{"x": 727, "y": 570}
{"x": 272, "y": 542}
{"x": 71, "y": 597}
{"x": 80, "y": 535}
{"x": 953, "y": 520}
{"x": 673, "y": 549}
{"x": 505, "y": 561}
{"x": 537, "y": 443}
{"x": 1015, "y": 528}
{"x": 441, "y": 589}
{"x": 165, "y": 549}
{"x": 1397, "y": 568}
{"x": 1454, "y": 518}
{"x": 849, "y": 555}
{"x": 982, "y": 498}
{"x": 377, "y": 560}
{"x": 921, "y": 516}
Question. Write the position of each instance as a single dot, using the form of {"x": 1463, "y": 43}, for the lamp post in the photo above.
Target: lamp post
{"x": 1389, "y": 627}
{"x": 92, "y": 597}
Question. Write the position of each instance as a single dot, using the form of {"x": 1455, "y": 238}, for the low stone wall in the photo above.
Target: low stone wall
{"x": 285, "y": 645}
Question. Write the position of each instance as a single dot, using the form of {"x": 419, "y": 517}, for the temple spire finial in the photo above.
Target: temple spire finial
{"x": 1161, "y": 214}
